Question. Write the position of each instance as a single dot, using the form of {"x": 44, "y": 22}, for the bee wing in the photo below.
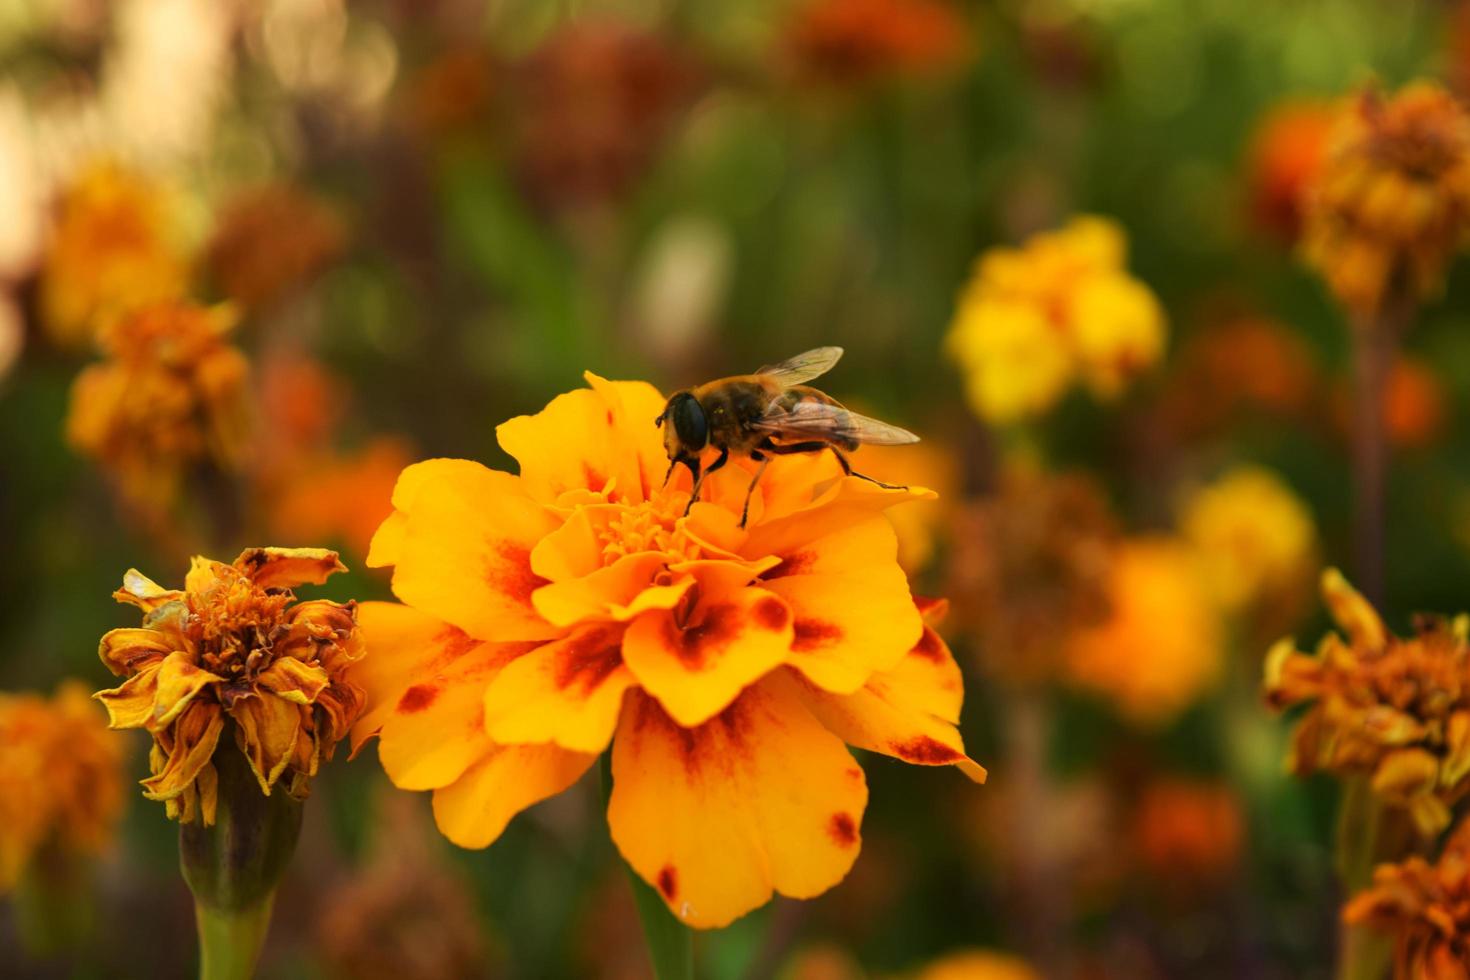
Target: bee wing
{"x": 822, "y": 420}
{"x": 802, "y": 368}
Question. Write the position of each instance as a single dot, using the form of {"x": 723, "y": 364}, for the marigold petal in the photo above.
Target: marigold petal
{"x": 728, "y": 640}
{"x": 582, "y": 440}
{"x": 194, "y": 740}
{"x": 593, "y": 596}
{"x": 635, "y": 404}
{"x": 760, "y": 798}
{"x": 1352, "y": 612}
{"x": 294, "y": 681}
{"x": 179, "y": 679}
{"x": 203, "y": 573}
{"x": 466, "y": 554}
{"x": 475, "y": 808}
{"x": 285, "y": 568}
{"x": 567, "y": 691}
{"x": 129, "y": 650}
{"x": 143, "y": 592}
{"x": 131, "y": 704}
{"x": 266, "y": 733}
{"x": 387, "y": 543}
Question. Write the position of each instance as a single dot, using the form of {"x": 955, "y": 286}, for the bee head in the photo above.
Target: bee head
{"x": 687, "y": 432}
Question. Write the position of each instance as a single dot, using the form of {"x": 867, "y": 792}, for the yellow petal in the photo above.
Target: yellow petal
{"x": 284, "y": 568}
{"x": 594, "y": 596}
{"x": 203, "y": 573}
{"x": 696, "y": 666}
{"x": 131, "y": 705}
{"x": 840, "y": 575}
{"x": 466, "y": 553}
{"x": 387, "y": 542}
{"x": 267, "y": 732}
{"x": 1352, "y": 612}
{"x": 1406, "y": 772}
{"x": 143, "y": 592}
{"x": 761, "y": 798}
{"x": 475, "y": 808}
{"x": 127, "y": 651}
{"x": 194, "y": 740}
{"x": 293, "y": 680}
{"x": 179, "y": 679}
{"x": 567, "y": 691}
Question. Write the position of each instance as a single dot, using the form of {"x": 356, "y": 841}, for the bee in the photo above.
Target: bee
{"x": 770, "y": 413}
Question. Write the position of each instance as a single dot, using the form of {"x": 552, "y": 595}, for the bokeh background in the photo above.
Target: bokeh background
{"x": 427, "y": 217}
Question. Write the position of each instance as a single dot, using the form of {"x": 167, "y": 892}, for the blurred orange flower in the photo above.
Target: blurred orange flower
{"x": 1425, "y": 908}
{"x": 1160, "y": 648}
{"x": 548, "y": 614}
{"x": 1391, "y": 204}
{"x": 271, "y": 239}
{"x": 234, "y": 653}
{"x": 338, "y": 496}
{"x": 1286, "y": 153}
{"x": 452, "y": 93}
{"x": 116, "y": 247}
{"x": 1415, "y": 405}
{"x": 60, "y": 778}
{"x": 1187, "y": 830}
{"x": 859, "y": 42}
{"x": 978, "y": 964}
{"x": 1396, "y": 711}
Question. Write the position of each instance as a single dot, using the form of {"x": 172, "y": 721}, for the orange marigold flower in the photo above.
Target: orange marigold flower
{"x": 115, "y": 247}
{"x": 1188, "y": 830}
{"x": 1425, "y": 908}
{"x": 978, "y": 964}
{"x": 251, "y": 256}
{"x": 1415, "y": 405}
{"x": 337, "y": 496}
{"x": 550, "y": 613}
{"x": 1391, "y": 204}
{"x": 859, "y": 42}
{"x": 1160, "y": 647}
{"x": 234, "y": 652}
{"x": 60, "y": 778}
{"x": 1285, "y": 156}
{"x": 1396, "y": 711}
{"x": 171, "y": 394}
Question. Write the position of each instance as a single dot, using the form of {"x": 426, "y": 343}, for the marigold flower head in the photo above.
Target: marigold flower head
{"x": 171, "y": 393}
{"x": 115, "y": 248}
{"x": 1059, "y": 310}
{"x": 855, "y": 43}
{"x": 1285, "y": 154}
{"x": 1031, "y": 566}
{"x": 1391, "y": 203}
{"x": 60, "y": 778}
{"x": 1255, "y": 538}
{"x": 252, "y": 255}
{"x": 1425, "y": 908}
{"x": 550, "y": 613}
{"x": 1188, "y": 831}
{"x": 1396, "y": 711}
{"x": 1159, "y": 648}
{"x": 234, "y": 655}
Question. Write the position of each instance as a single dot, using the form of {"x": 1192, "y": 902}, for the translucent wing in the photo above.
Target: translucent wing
{"x": 802, "y": 368}
{"x": 830, "y": 423}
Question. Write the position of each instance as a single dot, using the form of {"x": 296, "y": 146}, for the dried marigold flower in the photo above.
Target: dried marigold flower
{"x": 251, "y": 258}
{"x": 171, "y": 393}
{"x": 233, "y": 655}
{"x": 1031, "y": 565}
{"x": 855, "y": 43}
{"x": 550, "y": 613}
{"x": 1060, "y": 309}
{"x": 61, "y": 782}
{"x": 1391, "y": 203}
{"x": 114, "y": 248}
{"x": 1393, "y": 710}
{"x": 1160, "y": 647}
{"x": 1425, "y": 908}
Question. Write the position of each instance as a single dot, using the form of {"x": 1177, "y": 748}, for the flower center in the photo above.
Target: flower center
{"x": 653, "y": 525}
{"x": 235, "y": 622}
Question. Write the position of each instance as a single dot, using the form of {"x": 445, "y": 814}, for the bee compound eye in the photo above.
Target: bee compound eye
{"x": 690, "y": 423}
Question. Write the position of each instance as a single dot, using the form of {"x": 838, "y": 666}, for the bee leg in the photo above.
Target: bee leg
{"x": 670, "y": 471}
{"x": 763, "y": 460}
{"x": 847, "y": 469}
{"x": 720, "y": 461}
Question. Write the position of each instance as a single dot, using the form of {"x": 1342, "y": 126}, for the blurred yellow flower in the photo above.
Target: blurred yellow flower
{"x": 234, "y": 656}
{"x": 1255, "y": 538}
{"x": 1395, "y": 711}
{"x": 1391, "y": 203}
{"x": 1160, "y": 647}
{"x": 171, "y": 393}
{"x": 116, "y": 247}
{"x": 1425, "y": 908}
{"x": 1060, "y": 309}
{"x": 61, "y": 782}
{"x": 549, "y": 614}
{"x": 978, "y": 964}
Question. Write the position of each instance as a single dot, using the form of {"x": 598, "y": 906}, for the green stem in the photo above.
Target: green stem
{"x": 670, "y": 942}
{"x": 1368, "y": 834}
{"x": 230, "y": 942}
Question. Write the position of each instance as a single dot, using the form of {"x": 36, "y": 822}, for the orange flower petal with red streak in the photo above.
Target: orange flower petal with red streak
{"x": 474, "y": 810}
{"x": 760, "y": 799}
{"x": 465, "y": 553}
{"x": 696, "y": 666}
{"x": 568, "y": 692}
{"x": 850, "y": 599}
